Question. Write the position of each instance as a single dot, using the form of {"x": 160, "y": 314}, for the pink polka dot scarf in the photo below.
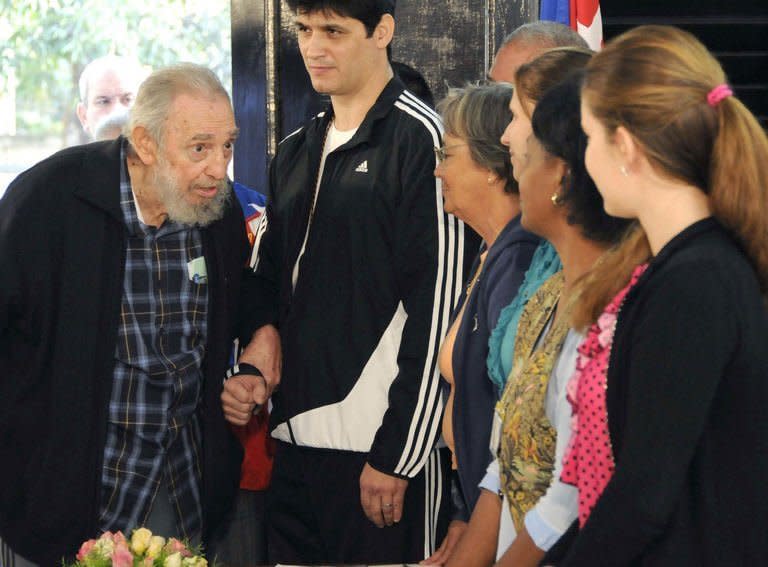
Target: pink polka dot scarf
{"x": 588, "y": 463}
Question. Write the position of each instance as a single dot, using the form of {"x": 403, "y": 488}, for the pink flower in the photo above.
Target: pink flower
{"x": 119, "y": 539}
{"x": 606, "y": 320}
{"x": 607, "y": 324}
{"x": 85, "y": 549}
{"x": 122, "y": 557}
{"x": 174, "y": 545}
{"x": 605, "y": 337}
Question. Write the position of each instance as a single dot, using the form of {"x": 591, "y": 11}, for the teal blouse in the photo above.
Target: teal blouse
{"x": 501, "y": 344}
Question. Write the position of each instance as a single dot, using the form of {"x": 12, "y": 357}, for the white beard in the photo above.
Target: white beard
{"x": 178, "y": 209}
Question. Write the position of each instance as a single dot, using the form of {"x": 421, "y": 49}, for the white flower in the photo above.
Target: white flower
{"x": 173, "y": 560}
{"x": 195, "y": 561}
{"x": 155, "y": 546}
{"x": 104, "y": 547}
{"x": 140, "y": 540}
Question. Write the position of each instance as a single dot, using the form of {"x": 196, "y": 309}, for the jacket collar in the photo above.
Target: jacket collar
{"x": 679, "y": 242}
{"x": 383, "y": 105}
{"x": 100, "y": 179}
{"x": 509, "y": 235}
{"x": 684, "y": 237}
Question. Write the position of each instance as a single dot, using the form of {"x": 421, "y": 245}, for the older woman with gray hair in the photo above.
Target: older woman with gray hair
{"x": 479, "y": 189}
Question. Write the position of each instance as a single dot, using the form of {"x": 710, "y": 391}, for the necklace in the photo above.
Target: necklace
{"x": 476, "y": 276}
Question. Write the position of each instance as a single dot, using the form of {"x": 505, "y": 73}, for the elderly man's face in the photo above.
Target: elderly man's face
{"x": 190, "y": 174}
{"x": 110, "y": 95}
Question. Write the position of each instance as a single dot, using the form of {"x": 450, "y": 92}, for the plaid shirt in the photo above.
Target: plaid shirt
{"x": 153, "y": 433}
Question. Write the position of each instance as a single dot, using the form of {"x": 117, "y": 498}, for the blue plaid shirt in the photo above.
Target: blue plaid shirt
{"x": 153, "y": 433}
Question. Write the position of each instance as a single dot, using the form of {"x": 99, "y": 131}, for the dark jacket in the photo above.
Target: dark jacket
{"x": 380, "y": 273}
{"x": 687, "y": 397}
{"x": 62, "y": 252}
{"x": 475, "y": 397}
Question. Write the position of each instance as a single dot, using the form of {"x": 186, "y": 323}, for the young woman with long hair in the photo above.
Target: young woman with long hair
{"x": 670, "y": 450}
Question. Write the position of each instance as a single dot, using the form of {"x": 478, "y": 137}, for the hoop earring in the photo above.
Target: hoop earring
{"x": 555, "y": 198}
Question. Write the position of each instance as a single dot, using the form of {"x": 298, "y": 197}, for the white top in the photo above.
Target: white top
{"x": 334, "y": 139}
{"x": 557, "y": 509}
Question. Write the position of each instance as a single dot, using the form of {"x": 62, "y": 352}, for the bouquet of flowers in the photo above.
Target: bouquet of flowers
{"x": 143, "y": 550}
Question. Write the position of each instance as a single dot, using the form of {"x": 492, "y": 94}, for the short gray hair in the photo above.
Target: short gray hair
{"x": 544, "y": 33}
{"x": 121, "y": 65}
{"x": 160, "y": 89}
{"x": 479, "y": 114}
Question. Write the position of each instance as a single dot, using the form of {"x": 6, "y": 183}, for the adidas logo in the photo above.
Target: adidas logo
{"x": 363, "y": 167}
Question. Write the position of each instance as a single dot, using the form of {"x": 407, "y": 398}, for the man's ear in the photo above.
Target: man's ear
{"x": 144, "y": 144}
{"x": 384, "y": 31}
{"x": 81, "y": 115}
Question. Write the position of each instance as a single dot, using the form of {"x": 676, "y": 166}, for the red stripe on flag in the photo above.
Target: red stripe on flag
{"x": 585, "y": 11}
{"x": 573, "y": 13}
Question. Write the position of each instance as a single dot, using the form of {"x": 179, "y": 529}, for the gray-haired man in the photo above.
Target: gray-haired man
{"x": 108, "y": 87}
{"x": 527, "y": 42}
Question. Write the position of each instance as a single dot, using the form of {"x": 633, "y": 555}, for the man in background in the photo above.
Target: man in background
{"x": 526, "y": 43}
{"x": 414, "y": 82}
{"x": 108, "y": 86}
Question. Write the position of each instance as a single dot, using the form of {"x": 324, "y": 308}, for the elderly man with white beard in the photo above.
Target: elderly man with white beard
{"x": 121, "y": 268}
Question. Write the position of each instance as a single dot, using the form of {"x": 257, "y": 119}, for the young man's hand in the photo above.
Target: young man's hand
{"x": 382, "y": 496}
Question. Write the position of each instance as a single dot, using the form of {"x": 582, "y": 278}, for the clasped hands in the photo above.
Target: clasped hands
{"x": 242, "y": 394}
{"x": 381, "y": 495}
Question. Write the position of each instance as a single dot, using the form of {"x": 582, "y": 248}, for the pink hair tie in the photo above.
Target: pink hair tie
{"x": 717, "y": 94}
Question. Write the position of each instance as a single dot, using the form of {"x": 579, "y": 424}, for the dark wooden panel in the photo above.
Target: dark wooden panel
{"x": 678, "y": 8}
{"x": 744, "y": 68}
{"x": 736, "y": 32}
{"x": 506, "y": 17}
{"x": 446, "y": 45}
{"x": 249, "y": 91}
{"x": 718, "y": 34}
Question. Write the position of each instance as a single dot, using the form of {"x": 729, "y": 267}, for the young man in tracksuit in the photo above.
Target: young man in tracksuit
{"x": 359, "y": 268}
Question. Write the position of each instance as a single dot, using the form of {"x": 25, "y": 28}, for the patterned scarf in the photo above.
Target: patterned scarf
{"x": 527, "y": 449}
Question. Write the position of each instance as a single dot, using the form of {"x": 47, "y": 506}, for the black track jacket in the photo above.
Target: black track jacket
{"x": 381, "y": 271}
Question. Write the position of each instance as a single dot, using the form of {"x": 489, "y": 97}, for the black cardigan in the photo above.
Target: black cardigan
{"x": 688, "y": 415}
{"x": 475, "y": 398}
{"x": 62, "y": 253}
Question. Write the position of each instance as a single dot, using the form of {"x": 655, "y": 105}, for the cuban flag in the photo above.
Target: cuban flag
{"x": 582, "y": 15}
{"x": 253, "y": 204}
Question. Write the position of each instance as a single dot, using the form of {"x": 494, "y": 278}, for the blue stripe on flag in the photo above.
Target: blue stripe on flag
{"x": 555, "y": 11}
